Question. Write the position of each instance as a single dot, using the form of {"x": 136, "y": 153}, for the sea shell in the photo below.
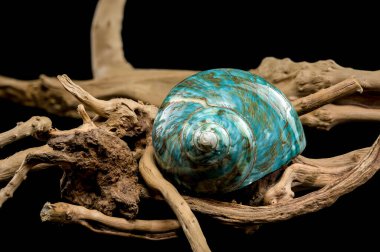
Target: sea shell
{"x": 222, "y": 129}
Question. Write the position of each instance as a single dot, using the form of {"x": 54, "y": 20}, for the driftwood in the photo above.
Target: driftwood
{"x": 67, "y": 213}
{"x": 151, "y": 86}
{"x": 101, "y": 174}
{"x": 68, "y": 150}
{"x": 115, "y": 77}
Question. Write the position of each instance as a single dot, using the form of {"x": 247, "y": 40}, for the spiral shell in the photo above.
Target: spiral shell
{"x": 220, "y": 130}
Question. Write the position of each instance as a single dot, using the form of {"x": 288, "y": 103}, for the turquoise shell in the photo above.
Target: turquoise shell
{"x": 222, "y": 129}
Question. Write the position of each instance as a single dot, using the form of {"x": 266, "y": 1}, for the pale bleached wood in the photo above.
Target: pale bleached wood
{"x": 20, "y": 175}
{"x": 65, "y": 213}
{"x": 9, "y": 165}
{"x": 324, "y": 96}
{"x": 35, "y": 126}
{"x": 107, "y": 54}
{"x": 31, "y": 160}
{"x": 297, "y": 79}
{"x": 115, "y": 77}
{"x": 106, "y": 108}
{"x": 331, "y": 115}
{"x": 154, "y": 179}
{"x": 311, "y": 173}
{"x": 237, "y": 214}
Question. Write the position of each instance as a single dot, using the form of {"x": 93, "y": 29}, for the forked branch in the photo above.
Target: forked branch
{"x": 236, "y": 214}
{"x": 32, "y": 159}
{"x": 9, "y": 165}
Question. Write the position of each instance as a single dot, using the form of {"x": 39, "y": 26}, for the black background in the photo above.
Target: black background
{"x": 53, "y": 37}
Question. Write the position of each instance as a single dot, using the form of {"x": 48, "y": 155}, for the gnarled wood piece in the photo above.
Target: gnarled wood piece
{"x": 102, "y": 170}
{"x": 35, "y": 126}
{"x": 236, "y": 214}
{"x": 114, "y": 76}
{"x": 31, "y": 160}
{"x": 331, "y": 115}
{"x": 325, "y": 96}
{"x": 189, "y": 222}
{"x": 297, "y": 79}
{"x": 311, "y": 173}
{"x": 9, "y": 165}
{"x": 152, "y": 85}
{"x": 123, "y": 117}
{"x": 96, "y": 221}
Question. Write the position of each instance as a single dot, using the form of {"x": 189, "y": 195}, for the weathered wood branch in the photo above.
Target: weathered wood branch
{"x": 106, "y": 108}
{"x": 236, "y": 214}
{"x": 349, "y": 159}
{"x": 65, "y": 213}
{"x": 146, "y": 85}
{"x": 106, "y": 41}
{"x": 9, "y": 165}
{"x": 370, "y": 100}
{"x": 8, "y": 191}
{"x": 35, "y": 126}
{"x": 297, "y": 79}
{"x": 308, "y": 176}
{"x": 189, "y": 222}
{"x": 313, "y": 101}
{"x": 114, "y": 76}
{"x": 331, "y": 115}
{"x": 32, "y": 159}
{"x": 96, "y": 148}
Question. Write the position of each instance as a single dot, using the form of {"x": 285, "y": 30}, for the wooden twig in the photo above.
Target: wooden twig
{"x": 236, "y": 214}
{"x": 33, "y": 127}
{"x": 146, "y": 236}
{"x": 145, "y": 85}
{"x": 7, "y": 192}
{"x": 322, "y": 97}
{"x": 114, "y": 77}
{"x": 189, "y": 222}
{"x": 349, "y": 160}
{"x": 98, "y": 106}
{"x": 369, "y": 100}
{"x": 32, "y": 159}
{"x": 67, "y": 213}
{"x": 106, "y": 108}
{"x": 9, "y": 166}
{"x": 85, "y": 117}
{"x": 304, "y": 175}
{"x": 331, "y": 115}
{"x": 298, "y": 79}
{"x": 149, "y": 86}
{"x": 46, "y": 93}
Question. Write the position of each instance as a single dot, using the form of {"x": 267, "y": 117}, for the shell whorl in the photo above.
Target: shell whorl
{"x": 209, "y": 142}
{"x": 206, "y": 140}
{"x": 222, "y": 129}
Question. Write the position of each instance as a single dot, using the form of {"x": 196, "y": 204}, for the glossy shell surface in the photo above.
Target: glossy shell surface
{"x": 222, "y": 129}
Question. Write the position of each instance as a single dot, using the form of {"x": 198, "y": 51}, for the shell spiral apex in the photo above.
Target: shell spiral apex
{"x": 222, "y": 129}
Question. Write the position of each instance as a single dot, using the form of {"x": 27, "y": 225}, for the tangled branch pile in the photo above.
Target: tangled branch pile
{"x": 108, "y": 162}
